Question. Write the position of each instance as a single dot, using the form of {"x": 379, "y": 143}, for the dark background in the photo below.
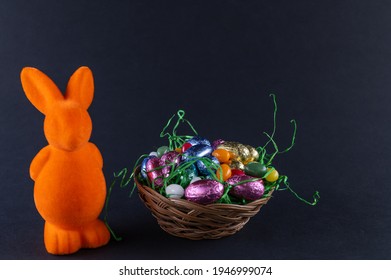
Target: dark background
{"x": 328, "y": 62}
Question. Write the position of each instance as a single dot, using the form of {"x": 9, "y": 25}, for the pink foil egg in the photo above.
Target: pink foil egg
{"x": 252, "y": 190}
{"x": 168, "y": 159}
{"x": 154, "y": 172}
{"x": 204, "y": 191}
{"x": 216, "y": 143}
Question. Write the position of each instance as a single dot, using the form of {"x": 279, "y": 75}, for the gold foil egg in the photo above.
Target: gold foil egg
{"x": 253, "y": 152}
{"x": 235, "y": 164}
{"x": 230, "y": 147}
{"x": 241, "y": 152}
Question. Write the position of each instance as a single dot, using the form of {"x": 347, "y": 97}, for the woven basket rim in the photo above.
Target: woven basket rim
{"x": 197, "y": 206}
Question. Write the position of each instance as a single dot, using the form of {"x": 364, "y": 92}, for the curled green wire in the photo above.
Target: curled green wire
{"x": 176, "y": 141}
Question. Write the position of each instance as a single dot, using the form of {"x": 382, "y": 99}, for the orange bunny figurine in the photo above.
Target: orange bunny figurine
{"x": 70, "y": 187}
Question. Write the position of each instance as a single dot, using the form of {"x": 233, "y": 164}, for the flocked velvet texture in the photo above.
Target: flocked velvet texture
{"x": 70, "y": 187}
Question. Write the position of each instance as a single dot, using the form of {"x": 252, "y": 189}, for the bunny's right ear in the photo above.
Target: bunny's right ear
{"x": 39, "y": 89}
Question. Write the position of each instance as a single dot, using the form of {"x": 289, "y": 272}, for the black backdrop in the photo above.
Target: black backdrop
{"x": 328, "y": 62}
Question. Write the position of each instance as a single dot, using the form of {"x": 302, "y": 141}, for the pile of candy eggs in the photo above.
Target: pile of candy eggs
{"x": 205, "y": 172}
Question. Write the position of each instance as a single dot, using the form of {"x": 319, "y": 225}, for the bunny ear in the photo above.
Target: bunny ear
{"x": 39, "y": 89}
{"x": 80, "y": 87}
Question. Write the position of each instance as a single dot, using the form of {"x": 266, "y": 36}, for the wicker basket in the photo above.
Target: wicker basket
{"x": 186, "y": 219}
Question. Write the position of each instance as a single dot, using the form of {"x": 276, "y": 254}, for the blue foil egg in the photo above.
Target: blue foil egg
{"x": 200, "y": 150}
{"x": 203, "y": 169}
{"x": 197, "y": 140}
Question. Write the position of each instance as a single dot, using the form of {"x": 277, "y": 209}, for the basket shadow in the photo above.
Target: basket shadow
{"x": 146, "y": 240}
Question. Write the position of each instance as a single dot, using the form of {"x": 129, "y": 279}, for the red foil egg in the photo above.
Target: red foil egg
{"x": 237, "y": 172}
{"x": 155, "y": 171}
{"x": 185, "y": 147}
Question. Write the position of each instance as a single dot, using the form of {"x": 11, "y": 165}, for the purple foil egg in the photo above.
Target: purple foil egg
{"x": 217, "y": 143}
{"x": 252, "y": 190}
{"x": 154, "y": 172}
{"x": 204, "y": 191}
{"x": 168, "y": 159}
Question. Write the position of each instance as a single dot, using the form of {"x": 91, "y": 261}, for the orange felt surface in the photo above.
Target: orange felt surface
{"x": 70, "y": 187}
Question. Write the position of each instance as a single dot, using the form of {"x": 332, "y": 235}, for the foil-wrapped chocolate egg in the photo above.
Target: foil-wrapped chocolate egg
{"x": 216, "y": 143}
{"x": 251, "y": 190}
{"x": 187, "y": 174}
{"x": 238, "y": 150}
{"x": 154, "y": 170}
{"x": 235, "y": 164}
{"x": 171, "y": 157}
{"x": 143, "y": 169}
{"x": 254, "y": 155}
{"x": 203, "y": 169}
{"x": 237, "y": 172}
{"x": 196, "y": 140}
{"x": 200, "y": 150}
{"x": 174, "y": 191}
{"x": 244, "y": 154}
{"x": 169, "y": 160}
{"x": 241, "y": 152}
{"x": 229, "y": 146}
{"x": 204, "y": 191}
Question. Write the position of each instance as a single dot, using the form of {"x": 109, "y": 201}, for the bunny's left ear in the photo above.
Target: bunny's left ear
{"x": 80, "y": 87}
